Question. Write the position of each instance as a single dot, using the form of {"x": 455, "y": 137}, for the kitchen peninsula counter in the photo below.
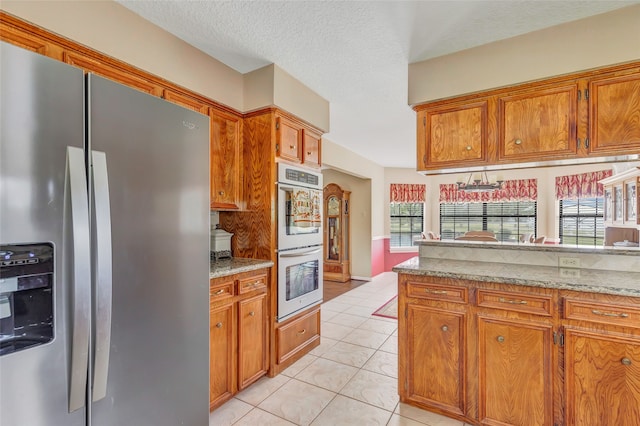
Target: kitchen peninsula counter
{"x": 225, "y": 267}
{"x": 588, "y": 280}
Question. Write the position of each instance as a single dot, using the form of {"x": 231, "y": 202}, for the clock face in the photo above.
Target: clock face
{"x": 333, "y": 206}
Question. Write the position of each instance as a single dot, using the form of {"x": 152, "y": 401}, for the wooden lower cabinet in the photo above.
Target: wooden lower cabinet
{"x": 515, "y": 372}
{"x": 238, "y": 333}
{"x": 295, "y": 337}
{"x": 602, "y": 378}
{"x": 435, "y": 354}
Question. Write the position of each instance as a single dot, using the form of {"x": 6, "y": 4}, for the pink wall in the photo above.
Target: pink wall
{"x": 382, "y": 260}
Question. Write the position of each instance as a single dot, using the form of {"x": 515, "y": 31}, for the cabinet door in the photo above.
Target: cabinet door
{"x": 252, "y": 340}
{"x": 453, "y": 136}
{"x": 226, "y": 161}
{"x": 221, "y": 358}
{"x": 602, "y": 379}
{"x": 435, "y": 358}
{"x": 539, "y": 125}
{"x": 311, "y": 152}
{"x": 515, "y": 372}
{"x": 289, "y": 140}
{"x": 615, "y": 114}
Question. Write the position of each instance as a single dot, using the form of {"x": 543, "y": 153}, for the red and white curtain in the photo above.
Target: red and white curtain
{"x": 408, "y": 193}
{"x": 512, "y": 190}
{"x": 584, "y": 185}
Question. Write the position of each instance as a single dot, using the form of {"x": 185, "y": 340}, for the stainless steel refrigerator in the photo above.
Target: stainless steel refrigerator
{"x": 104, "y": 257}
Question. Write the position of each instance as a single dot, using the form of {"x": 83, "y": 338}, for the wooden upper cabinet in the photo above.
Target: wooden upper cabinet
{"x": 614, "y": 104}
{"x": 288, "y": 140}
{"x": 110, "y": 72}
{"x": 311, "y": 149}
{"x": 538, "y": 125}
{"x": 185, "y": 101}
{"x": 452, "y": 136}
{"x": 226, "y": 161}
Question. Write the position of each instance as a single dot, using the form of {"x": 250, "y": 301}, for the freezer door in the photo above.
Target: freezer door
{"x": 41, "y": 113}
{"x": 157, "y": 157}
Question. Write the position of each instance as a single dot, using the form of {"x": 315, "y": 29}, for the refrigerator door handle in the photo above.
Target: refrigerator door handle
{"x": 103, "y": 274}
{"x": 78, "y": 236}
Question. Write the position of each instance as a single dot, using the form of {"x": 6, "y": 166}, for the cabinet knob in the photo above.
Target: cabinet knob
{"x": 468, "y": 148}
{"x": 500, "y": 339}
{"x": 219, "y": 325}
{"x": 625, "y": 361}
{"x": 291, "y": 146}
{"x": 445, "y": 328}
{"x": 221, "y": 193}
{"x": 308, "y": 152}
{"x": 252, "y": 314}
{"x": 518, "y": 142}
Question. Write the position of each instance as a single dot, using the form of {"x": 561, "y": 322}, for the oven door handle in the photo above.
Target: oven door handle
{"x": 300, "y": 254}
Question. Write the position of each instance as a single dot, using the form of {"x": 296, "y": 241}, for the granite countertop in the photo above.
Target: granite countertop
{"x": 588, "y": 280}
{"x": 235, "y": 265}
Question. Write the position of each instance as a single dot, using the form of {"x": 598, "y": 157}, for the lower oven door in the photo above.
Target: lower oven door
{"x": 299, "y": 280}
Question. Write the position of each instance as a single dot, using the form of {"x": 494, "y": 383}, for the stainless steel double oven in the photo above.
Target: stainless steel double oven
{"x": 300, "y": 236}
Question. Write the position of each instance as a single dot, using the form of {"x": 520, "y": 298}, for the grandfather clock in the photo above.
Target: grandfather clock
{"x": 337, "y": 265}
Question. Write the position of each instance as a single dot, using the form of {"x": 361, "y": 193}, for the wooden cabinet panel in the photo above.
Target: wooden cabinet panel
{"x": 515, "y": 372}
{"x": 221, "y": 355}
{"x": 453, "y": 136}
{"x": 606, "y": 313}
{"x": 185, "y": 101}
{"x": 539, "y": 125}
{"x": 538, "y": 304}
{"x": 226, "y": 161}
{"x": 602, "y": 379}
{"x": 296, "y": 335}
{"x": 289, "y": 140}
{"x": 435, "y": 356}
{"x": 30, "y": 42}
{"x": 221, "y": 289}
{"x": 615, "y": 114}
{"x": 257, "y": 282}
{"x": 426, "y": 290}
{"x": 252, "y": 340}
{"x": 311, "y": 149}
{"x": 110, "y": 72}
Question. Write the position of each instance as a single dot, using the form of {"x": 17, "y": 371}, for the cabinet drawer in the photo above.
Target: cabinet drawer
{"x": 438, "y": 292}
{"x": 257, "y": 282}
{"x": 221, "y": 291}
{"x": 297, "y": 334}
{"x": 538, "y": 304}
{"x": 607, "y": 313}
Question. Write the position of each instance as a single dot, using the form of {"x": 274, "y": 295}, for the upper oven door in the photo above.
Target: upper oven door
{"x": 299, "y": 216}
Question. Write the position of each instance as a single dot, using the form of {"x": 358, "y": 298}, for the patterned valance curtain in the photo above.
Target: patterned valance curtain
{"x": 408, "y": 193}
{"x": 584, "y": 185}
{"x": 512, "y": 190}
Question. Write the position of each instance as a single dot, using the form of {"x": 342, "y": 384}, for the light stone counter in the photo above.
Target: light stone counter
{"x": 236, "y": 265}
{"x": 588, "y": 280}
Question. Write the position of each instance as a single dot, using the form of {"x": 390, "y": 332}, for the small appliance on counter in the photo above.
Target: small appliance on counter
{"x": 220, "y": 244}
{"x": 625, "y": 243}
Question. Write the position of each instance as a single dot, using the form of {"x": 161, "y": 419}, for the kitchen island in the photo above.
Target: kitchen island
{"x": 510, "y": 337}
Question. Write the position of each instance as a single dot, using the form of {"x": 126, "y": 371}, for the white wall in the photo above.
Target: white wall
{"x": 600, "y": 40}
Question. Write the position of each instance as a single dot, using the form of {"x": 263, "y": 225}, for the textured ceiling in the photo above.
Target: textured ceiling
{"x": 355, "y": 54}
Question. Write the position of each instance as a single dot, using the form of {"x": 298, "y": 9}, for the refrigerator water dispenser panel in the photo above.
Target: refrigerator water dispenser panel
{"x": 26, "y": 296}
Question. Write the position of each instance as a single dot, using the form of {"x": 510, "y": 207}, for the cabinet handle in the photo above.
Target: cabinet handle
{"x": 254, "y": 284}
{"x": 469, "y": 148}
{"x": 500, "y": 339}
{"x": 445, "y": 328}
{"x": 428, "y": 290}
{"x": 219, "y": 325}
{"x": 219, "y": 292}
{"x": 252, "y": 314}
{"x": 625, "y": 361}
{"x": 518, "y": 142}
{"x": 512, "y": 301}
{"x": 304, "y": 330}
{"x": 609, "y": 314}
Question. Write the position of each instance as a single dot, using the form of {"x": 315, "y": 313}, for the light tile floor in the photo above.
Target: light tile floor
{"x": 350, "y": 379}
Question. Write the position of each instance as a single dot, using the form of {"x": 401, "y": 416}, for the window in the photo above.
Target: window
{"x": 508, "y": 220}
{"x": 582, "y": 221}
{"x": 407, "y": 221}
